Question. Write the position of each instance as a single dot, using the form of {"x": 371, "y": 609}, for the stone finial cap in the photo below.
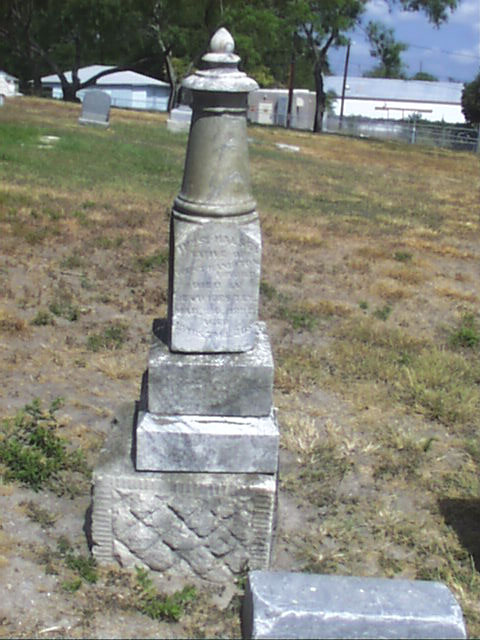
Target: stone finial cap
{"x": 221, "y": 68}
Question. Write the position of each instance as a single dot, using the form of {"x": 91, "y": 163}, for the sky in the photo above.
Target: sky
{"x": 450, "y": 52}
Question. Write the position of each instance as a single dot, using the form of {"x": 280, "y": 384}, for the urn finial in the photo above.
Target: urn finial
{"x": 222, "y": 42}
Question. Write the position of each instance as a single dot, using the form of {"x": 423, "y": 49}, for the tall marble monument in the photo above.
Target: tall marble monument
{"x": 193, "y": 492}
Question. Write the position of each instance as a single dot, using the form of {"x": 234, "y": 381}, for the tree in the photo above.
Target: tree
{"x": 424, "y": 76}
{"x": 387, "y": 50}
{"x": 471, "y": 101}
{"x": 51, "y": 35}
{"x": 321, "y": 24}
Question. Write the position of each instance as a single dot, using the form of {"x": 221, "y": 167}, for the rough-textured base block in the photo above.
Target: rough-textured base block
{"x": 203, "y": 525}
{"x": 215, "y": 384}
{"x": 214, "y": 283}
{"x": 296, "y": 605}
{"x": 206, "y": 443}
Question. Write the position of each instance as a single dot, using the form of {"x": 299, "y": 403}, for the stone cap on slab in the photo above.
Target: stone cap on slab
{"x": 207, "y": 444}
{"x": 299, "y": 605}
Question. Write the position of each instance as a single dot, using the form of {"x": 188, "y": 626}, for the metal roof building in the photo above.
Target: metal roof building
{"x": 127, "y": 89}
{"x": 398, "y": 99}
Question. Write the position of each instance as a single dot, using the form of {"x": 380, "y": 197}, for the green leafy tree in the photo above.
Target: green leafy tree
{"x": 54, "y": 35}
{"x": 471, "y": 101}
{"x": 426, "y": 77}
{"x": 387, "y": 50}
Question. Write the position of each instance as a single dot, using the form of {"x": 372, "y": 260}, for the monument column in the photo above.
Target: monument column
{"x": 193, "y": 492}
{"x": 215, "y": 233}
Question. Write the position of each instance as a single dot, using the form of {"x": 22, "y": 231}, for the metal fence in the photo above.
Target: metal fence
{"x": 460, "y": 138}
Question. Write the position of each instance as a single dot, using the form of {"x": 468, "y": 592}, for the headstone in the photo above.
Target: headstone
{"x": 95, "y": 108}
{"x": 193, "y": 492}
{"x": 299, "y": 605}
{"x": 1, "y": 100}
{"x": 180, "y": 119}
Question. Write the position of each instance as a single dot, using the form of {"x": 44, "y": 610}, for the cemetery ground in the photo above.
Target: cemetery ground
{"x": 370, "y": 293}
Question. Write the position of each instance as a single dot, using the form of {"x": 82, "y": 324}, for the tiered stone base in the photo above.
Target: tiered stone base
{"x": 205, "y": 525}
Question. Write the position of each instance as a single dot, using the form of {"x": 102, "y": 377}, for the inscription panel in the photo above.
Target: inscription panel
{"x": 215, "y": 280}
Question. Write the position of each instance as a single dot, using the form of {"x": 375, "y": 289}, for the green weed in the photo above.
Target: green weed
{"x": 298, "y": 318}
{"x": 267, "y": 290}
{"x": 155, "y": 261}
{"x": 467, "y": 335}
{"x": 64, "y": 308}
{"x": 402, "y": 256}
{"x": 382, "y": 313}
{"x": 84, "y": 566}
{"x": 39, "y": 515}
{"x": 33, "y": 454}
{"x": 42, "y": 319}
{"x": 158, "y": 607}
{"x": 73, "y": 261}
{"x": 111, "y": 337}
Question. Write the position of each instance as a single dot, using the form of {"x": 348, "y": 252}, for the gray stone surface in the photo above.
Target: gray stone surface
{"x": 204, "y": 525}
{"x": 203, "y": 443}
{"x": 295, "y": 605}
{"x": 215, "y": 276}
{"x": 95, "y": 108}
{"x": 180, "y": 119}
{"x": 213, "y": 384}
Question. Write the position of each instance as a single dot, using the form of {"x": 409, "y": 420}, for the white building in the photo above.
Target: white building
{"x": 8, "y": 85}
{"x": 127, "y": 89}
{"x": 397, "y": 99}
{"x": 376, "y": 98}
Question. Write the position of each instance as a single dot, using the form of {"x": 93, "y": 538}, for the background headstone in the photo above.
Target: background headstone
{"x": 95, "y": 108}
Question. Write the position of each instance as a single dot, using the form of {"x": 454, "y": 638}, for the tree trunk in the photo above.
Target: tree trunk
{"x": 321, "y": 98}
{"x": 69, "y": 92}
{"x": 172, "y": 79}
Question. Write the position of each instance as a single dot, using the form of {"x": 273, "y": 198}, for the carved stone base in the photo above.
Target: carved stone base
{"x": 205, "y": 525}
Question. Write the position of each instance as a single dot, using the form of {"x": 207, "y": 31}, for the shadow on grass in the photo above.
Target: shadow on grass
{"x": 463, "y": 515}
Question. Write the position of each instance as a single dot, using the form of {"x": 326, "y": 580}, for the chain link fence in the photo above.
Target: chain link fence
{"x": 448, "y": 136}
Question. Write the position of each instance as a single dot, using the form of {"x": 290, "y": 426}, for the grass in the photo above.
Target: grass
{"x": 33, "y": 454}
{"x": 112, "y": 337}
{"x": 158, "y": 607}
{"x": 368, "y": 289}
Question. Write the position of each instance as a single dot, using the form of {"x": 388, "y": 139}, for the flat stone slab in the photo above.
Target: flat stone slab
{"x": 194, "y": 525}
{"x": 207, "y": 443}
{"x": 299, "y": 605}
{"x": 214, "y": 283}
{"x": 213, "y": 384}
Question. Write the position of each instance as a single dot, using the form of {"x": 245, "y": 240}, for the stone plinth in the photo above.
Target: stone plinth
{"x": 214, "y": 283}
{"x": 207, "y": 443}
{"x": 202, "y": 525}
{"x": 210, "y": 384}
{"x": 296, "y": 605}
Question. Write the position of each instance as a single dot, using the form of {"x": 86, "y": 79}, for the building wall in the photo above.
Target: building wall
{"x": 399, "y": 110}
{"x": 152, "y": 98}
{"x": 268, "y": 106}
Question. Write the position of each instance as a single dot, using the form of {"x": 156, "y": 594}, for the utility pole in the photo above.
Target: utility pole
{"x": 291, "y": 79}
{"x": 345, "y": 71}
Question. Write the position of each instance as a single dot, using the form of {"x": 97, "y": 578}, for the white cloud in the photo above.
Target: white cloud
{"x": 468, "y": 14}
{"x": 378, "y": 10}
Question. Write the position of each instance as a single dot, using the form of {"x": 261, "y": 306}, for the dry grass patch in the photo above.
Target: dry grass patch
{"x": 389, "y": 289}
